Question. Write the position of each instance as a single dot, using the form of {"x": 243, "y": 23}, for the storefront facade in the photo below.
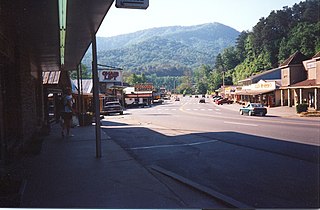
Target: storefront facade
{"x": 301, "y": 81}
{"x": 265, "y": 92}
{"x": 139, "y": 95}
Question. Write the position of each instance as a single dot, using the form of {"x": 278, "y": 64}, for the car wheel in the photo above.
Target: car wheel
{"x": 241, "y": 112}
{"x": 250, "y": 113}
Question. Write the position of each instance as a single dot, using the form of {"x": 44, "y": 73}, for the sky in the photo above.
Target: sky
{"x": 238, "y": 14}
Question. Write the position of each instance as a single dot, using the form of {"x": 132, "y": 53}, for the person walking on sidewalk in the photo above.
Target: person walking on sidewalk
{"x": 67, "y": 112}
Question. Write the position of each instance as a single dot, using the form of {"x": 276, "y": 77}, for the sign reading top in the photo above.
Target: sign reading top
{"x": 110, "y": 76}
{"x": 132, "y": 4}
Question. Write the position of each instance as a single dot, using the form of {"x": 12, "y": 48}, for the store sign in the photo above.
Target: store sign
{"x": 262, "y": 85}
{"x": 143, "y": 87}
{"x": 132, "y": 4}
{"x": 110, "y": 76}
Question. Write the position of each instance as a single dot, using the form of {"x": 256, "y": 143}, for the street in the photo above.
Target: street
{"x": 245, "y": 161}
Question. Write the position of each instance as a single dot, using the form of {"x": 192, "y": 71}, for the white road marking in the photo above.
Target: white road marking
{"x": 173, "y": 145}
{"x": 235, "y": 123}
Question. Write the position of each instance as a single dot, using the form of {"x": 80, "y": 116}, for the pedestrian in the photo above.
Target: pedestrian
{"x": 67, "y": 112}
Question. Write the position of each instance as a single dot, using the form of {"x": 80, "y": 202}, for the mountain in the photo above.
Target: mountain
{"x": 165, "y": 50}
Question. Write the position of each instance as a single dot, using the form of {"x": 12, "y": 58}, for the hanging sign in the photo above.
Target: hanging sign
{"x": 110, "y": 76}
{"x": 132, "y": 4}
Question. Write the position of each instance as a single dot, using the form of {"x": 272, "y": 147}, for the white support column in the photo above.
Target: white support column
{"x": 316, "y": 98}
{"x": 300, "y": 96}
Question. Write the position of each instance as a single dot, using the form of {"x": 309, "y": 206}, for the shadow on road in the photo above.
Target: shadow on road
{"x": 258, "y": 171}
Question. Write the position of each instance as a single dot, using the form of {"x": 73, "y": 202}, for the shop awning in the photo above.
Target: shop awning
{"x": 253, "y": 92}
{"x": 310, "y": 83}
{"x": 39, "y": 28}
{"x": 142, "y": 95}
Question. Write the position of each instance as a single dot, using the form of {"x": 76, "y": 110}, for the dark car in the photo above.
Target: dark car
{"x": 112, "y": 107}
{"x": 216, "y": 98}
{"x": 223, "y": 101}
{"x": 202, "y": 100}
{"x": 254, "y": 109}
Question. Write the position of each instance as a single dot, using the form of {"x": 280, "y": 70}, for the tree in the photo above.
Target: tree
{"x": 304, "y": 37}
{"x": 215, "y": 80}
{"x": 86, "y": 74}
{"x": 240, "y": 46}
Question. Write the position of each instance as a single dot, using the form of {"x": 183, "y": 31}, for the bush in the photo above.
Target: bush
{"x": 302, "y": 108}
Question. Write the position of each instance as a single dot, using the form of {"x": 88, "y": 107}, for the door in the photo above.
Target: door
{"x": 311, "y": 99}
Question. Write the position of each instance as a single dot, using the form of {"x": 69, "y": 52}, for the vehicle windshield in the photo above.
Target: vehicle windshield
{"x": 256, "y": 105}
{"x": 112, "y": 104}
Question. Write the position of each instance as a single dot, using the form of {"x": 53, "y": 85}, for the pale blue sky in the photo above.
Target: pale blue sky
{"x": 239, "y": 14}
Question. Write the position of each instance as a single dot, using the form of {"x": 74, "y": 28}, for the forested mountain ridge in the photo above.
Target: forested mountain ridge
{"x": 202, "y": 63}
{"x": 165, "y": 50}
{"x": 272, "y": 40}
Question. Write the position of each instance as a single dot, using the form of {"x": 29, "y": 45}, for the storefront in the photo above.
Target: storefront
{"x": 230, "y": 92}
{"x": 139, "y": 95}
{"x": 307, "y": 92}
{"x": 265, "y": 92}
{"x": 295, "y": 90}
{"x": 111, "y": 83}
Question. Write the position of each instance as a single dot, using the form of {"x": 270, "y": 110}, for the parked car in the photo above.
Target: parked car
{"x": 216, "y": 98}
{"x": 112, "y": 107}
{"x": 202, "y": 100}
{"x": 254, "y": 109}
{"x": 223, "y": 101}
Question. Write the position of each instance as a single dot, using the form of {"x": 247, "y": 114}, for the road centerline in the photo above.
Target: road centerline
{"x": 236, "y": 123}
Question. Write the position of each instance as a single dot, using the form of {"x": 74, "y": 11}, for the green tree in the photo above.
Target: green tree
{"x": 86, "y": 74}
{"x": 304, "y": 37}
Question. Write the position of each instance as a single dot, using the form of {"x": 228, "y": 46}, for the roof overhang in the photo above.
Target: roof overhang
{"x": 39, "y": 32}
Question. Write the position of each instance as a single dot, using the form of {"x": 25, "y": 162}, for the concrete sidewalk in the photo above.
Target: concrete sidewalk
{"x": 68, "y": 175}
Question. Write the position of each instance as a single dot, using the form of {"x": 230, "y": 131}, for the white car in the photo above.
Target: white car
{"x": 112, "y": 107}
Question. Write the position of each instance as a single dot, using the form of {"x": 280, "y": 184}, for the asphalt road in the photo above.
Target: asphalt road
{"x": 260, "y": 162}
